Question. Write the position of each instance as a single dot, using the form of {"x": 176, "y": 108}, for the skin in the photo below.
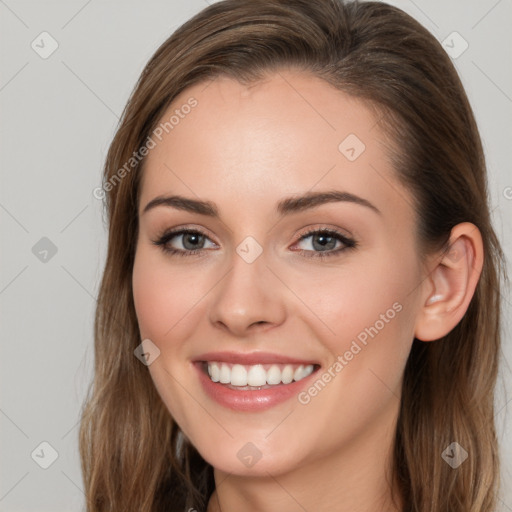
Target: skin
{"x": 245, "y": 148}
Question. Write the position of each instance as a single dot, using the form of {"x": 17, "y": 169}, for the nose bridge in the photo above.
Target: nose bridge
{"x": 247, "y": 293}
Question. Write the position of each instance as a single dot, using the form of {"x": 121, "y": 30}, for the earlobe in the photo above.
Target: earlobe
{"x": 451, "y": 283}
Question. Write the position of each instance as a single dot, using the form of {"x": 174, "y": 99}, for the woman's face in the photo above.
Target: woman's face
{"x": 256, "y": 297}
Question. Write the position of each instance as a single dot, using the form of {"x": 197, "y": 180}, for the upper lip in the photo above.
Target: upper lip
{"x": 251, "y": 358}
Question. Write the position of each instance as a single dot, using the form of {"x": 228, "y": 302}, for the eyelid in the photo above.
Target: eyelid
{"x": 178, "y": 230}
{"x": 314, "y": 228}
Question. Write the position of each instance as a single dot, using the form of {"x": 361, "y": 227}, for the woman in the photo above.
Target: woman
{"x": 300, "y": 305}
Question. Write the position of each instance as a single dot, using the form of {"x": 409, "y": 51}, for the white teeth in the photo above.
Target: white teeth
{"x": 256, "y": 375}
{"x": 287, "y": 375}
{"x": 214, "y": 372}
{"x": 274, "y": 375}
{"x": 302, "y": 371}
{"x": 298, "y": 373}
{"x": 225, "y": 374}
{"x": 238, "y": 375}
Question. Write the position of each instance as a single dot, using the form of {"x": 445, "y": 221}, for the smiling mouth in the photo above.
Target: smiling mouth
{"x": 256, "y": 377}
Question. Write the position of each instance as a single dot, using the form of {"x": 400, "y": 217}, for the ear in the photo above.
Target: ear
{"x": 448, "y": 290}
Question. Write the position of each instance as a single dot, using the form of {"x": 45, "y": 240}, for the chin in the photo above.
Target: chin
{"x": 250, "y": 458}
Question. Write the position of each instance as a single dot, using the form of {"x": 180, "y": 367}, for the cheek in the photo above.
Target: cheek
{"x": 151, "y": 298}
{"x": 369, "y": 303}
{"x": 162, "y": 294}
{"x": 369, "y": 312}
{"x": 161, "y": 303}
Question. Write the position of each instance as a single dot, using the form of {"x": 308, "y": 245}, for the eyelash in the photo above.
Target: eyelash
{"x": 167, "y": 236}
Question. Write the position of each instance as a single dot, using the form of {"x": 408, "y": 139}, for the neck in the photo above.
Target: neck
{"x": 355, "y": 477}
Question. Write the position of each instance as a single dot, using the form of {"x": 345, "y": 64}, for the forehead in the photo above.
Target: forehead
{"x": 253, "y": 144}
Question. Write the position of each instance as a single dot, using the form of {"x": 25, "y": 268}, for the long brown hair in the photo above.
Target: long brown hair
{"x": 132, "y": 458}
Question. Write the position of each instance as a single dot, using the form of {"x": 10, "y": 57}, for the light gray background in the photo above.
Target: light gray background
{"x": 58, "y": 116}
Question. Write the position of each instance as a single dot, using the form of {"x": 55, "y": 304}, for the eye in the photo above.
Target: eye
{"x": 325, "y": 240}
{"x": 191, "y": 239}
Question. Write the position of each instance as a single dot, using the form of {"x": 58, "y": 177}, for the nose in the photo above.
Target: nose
{"x": 249, "y": 298}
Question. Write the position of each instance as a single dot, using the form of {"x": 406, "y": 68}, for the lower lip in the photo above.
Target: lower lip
{"x": 256, "y": 400}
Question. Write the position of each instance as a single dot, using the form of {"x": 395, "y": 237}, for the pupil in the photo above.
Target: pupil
{"x": 325, "y": 239}
{"x": 187, "y": 238}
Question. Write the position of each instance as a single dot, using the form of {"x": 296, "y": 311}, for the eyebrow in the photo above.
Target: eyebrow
{"x": 286, "y": 206}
